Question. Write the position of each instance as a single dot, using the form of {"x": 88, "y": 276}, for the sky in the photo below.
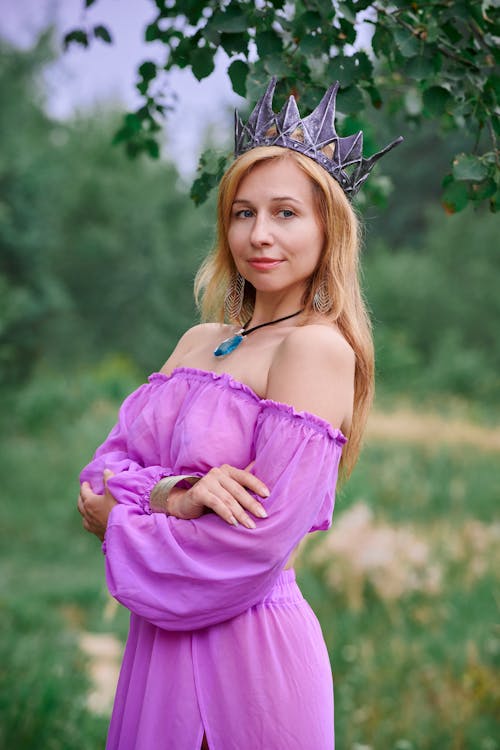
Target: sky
{"x": 107, "y": 73}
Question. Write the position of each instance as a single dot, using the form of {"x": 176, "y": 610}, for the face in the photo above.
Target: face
{"x": 274, "y": 234}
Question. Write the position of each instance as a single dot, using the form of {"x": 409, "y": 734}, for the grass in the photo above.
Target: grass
{"x": 414, "y": 663}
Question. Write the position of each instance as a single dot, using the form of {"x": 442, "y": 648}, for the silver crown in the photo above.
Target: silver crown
{"x": 266, "y": 128}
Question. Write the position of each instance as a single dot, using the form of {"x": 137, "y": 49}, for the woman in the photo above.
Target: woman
{"x": 223, "y": 462}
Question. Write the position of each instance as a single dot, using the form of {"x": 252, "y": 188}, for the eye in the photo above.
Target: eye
{"x": 244, "y": 213}
{"x": 286, "y": 213}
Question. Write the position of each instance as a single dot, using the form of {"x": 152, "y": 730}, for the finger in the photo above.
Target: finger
{"x": 248, "y": 480}
{"x": 107, "y": 474}
{"x": 243, "y": 497}
{"x": 88, "y": 494}
{"x": 212, "y": 501}
{"x": 80, "y": 506}
{"x": 85, "y": 491}
{"x": 236, "y": 500}
{"x": 231, "y": 494}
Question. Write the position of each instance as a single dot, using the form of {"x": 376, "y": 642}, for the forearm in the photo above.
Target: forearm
{"x": 167, "y": 495}
{"x": 185, "y": 574}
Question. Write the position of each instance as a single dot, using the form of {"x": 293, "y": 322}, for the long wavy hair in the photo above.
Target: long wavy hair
{"x": 338, "y": 268}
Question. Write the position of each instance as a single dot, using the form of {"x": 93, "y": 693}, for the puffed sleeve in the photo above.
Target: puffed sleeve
{"x": 136, "y": 472}
{"x": 182, "y": 575}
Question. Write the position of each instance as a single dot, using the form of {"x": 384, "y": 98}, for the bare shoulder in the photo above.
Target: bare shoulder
{"x": 313, "y": 370}
{"x": 191, "y": 339}
{"x": 317, "y": 339}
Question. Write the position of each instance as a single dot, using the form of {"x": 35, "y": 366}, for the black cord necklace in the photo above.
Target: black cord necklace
{"x": 229, "y": 345}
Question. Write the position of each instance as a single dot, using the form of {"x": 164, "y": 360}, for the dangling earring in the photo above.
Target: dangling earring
{"x": 321, "y": 300}
{"x": 233, "y": 300}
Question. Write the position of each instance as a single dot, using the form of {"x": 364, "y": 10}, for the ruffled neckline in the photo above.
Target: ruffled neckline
{"x": 225, "y": 380}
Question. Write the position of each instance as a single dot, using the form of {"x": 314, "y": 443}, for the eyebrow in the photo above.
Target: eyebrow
{"x": 277, "y": 199}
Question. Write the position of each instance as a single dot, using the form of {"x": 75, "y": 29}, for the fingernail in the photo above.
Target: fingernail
{"x": 261, "y": 513}
{"x": 234, "y": 521}
{"x": 251, "y": 524}
{"x": 265, "y": 493}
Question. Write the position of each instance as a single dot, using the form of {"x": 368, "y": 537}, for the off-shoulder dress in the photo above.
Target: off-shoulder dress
{"x": 221, "y": 639}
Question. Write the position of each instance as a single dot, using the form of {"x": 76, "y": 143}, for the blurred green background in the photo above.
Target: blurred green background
{"x": 97, "y": 257}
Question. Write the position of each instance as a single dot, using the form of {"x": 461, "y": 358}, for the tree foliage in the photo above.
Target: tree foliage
{"x": 431, "y": 60}
{"x": 88, "y": 238}
{"x": 98, "y": 254}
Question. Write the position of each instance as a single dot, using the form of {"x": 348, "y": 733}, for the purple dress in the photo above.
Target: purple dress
{"x": 221, "y": 639}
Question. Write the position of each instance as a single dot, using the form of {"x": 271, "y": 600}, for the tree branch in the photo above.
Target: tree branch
{"x": 408, "y": 27}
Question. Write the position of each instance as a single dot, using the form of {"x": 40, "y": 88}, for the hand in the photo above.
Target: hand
{"x": 222, "y": 491}
{"x": 95, "y": 509}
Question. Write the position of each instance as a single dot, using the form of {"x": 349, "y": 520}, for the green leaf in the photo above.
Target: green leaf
{"x": 485, "y": 189}
{"x": 268, "y": 43}
{"x": 211, "y": 167}
{"x": 88, "y": 3}
{"x": 233, "y": 19}
{"x": 375, "y": 96}
{"x": 364, "y": 64}
{"x": 77, "y": 36}
{"x": 276, "y": 65}
{"x": 132, "y": 122}
{"x": 469, "y": 167}
{"x": 152, "y": 147}
{"x": 451, "y": 32}
{"x": 344, "y": 69}
{"x": 347, "y": 33}
{"x": 101, "y": 32}
{"x": 238, "y": 71}
{"x": 311, "y": 45}
{"x": 181, "y": 55}
{"x": 147, "y": 70}
{"x": 235, "y": 44}
{"x": 407, "y": 43}
{"x": 347, "y": 12}
{"x": 257, "y": 80}
{"x": 437, "y": 100}
{"x": 419, "y": 67}
{"x": 306, "y": 22}
{"x": 382, "y": 43}
{"x": 211, "y": 35}
{"x": 455, "y": 195}
{"x": 350, "y": 100}
{"x": 152, "y": 32}
{"x": 192, "y": 9}
{"x": 131, "y": 126}
{"x": 202, "y": 62}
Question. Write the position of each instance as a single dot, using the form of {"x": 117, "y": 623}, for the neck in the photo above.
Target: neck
{"x": 274, "y": 306}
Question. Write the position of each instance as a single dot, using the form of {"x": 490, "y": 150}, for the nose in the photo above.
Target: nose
{"x": 261, "y": 234}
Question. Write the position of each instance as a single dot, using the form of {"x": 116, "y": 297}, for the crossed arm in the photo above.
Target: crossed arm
{"x": 223, "y": 490}
{"x": 313, "y": 370}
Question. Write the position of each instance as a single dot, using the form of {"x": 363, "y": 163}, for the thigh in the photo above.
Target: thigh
{"x": 156, "y": 705}
{"x": 266, "y": 680}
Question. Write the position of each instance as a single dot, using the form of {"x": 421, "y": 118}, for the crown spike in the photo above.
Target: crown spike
{"x": 289, "y": 117}
{"x": 350, "y": 148}
{"x": 320, "y": 124}
{"x": 318, "y": 131}
{"x": 263, "y": 116}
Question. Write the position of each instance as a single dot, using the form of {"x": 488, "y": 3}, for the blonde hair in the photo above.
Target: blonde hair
{"x": 338, "y": 268}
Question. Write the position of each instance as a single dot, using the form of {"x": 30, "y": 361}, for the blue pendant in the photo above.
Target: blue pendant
{"x": 228, "y": 345}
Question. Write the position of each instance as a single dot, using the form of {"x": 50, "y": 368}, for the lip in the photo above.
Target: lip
{"x": 263, "y": 264}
